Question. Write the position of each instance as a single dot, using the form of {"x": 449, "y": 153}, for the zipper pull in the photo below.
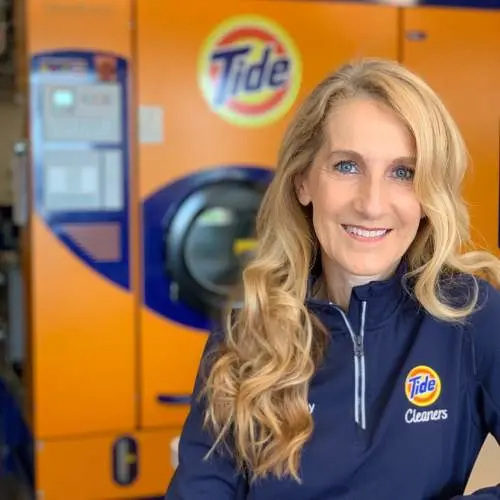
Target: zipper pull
{"x": 358, "y": 347}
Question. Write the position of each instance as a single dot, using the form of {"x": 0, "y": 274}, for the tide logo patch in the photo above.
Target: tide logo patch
{"x": 422, "y": 386}
{"x": 249, "y": 71}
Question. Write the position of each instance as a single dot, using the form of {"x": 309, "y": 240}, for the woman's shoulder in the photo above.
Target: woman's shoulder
{"x": 459, "y": 289}
{"x": 483, "y": 322}
{"x": 486, "y": 313}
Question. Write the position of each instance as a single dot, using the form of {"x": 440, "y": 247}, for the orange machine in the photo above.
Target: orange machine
{"x": 153, "y": 131}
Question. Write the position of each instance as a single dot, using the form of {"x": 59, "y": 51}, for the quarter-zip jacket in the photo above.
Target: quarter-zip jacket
{"x": 401, "y": 404}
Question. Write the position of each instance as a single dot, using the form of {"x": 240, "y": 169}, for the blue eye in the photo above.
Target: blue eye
{"x": 346, "y": 167}
{"x": 404, "y": 173}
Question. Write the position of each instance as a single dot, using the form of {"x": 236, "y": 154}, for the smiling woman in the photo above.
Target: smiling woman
{"x": 364, "y": 360}
{"x": 365, "y": 211}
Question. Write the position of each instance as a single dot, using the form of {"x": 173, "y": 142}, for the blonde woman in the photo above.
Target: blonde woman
{"x": 364, "y": 361}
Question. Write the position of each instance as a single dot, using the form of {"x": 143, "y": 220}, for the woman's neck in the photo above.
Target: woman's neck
{"x": 338, "y": 283}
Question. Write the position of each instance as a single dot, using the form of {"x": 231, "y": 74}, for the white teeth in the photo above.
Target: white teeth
{"x": 365, "y": 233}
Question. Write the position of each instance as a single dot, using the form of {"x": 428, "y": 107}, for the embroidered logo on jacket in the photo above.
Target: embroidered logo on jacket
{"x": 423, "y": 388}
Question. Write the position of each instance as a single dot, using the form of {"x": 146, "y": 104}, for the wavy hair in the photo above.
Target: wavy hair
{"x": 257, "y": 386}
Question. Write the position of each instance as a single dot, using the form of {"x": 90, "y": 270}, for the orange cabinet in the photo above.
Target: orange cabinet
{"x": 458, "y": 52}
{"x": 177, "y": 81}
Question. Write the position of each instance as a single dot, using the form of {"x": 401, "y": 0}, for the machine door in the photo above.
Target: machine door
{"x": 198, "y": 233}
{"x": 207, "y": 241}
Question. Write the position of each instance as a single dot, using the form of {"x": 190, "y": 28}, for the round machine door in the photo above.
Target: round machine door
{"x": 206, "y": 241}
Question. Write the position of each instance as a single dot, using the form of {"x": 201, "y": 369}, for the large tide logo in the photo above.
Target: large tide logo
{"x": 422, "y": 386}
{"x": 249, "y": 71}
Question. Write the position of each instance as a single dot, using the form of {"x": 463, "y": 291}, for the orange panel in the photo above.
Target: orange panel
{"x": 173, "y": 48}
{"x": 457, "y": 52}
{"x": 82, "y": 325}
{"x": 170, "y": 39}
{"x": 82, "y": 469}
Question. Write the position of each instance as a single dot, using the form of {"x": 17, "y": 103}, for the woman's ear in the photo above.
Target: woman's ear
{"x": 302, "y": 190}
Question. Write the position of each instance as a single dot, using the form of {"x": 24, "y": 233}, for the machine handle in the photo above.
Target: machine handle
{"x": 174, "y": 399}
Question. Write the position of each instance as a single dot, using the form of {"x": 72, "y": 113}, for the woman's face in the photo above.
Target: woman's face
{"x": 360, "y": 186}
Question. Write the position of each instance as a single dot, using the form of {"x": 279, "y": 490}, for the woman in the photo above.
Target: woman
{"x": 364, "y": 361}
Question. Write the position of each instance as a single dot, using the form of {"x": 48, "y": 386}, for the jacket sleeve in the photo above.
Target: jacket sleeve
{"x": 197, "y": 478}
{"x": 486, "y": 341}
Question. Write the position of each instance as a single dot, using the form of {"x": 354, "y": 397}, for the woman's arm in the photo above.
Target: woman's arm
{"x": 485, "y": 336}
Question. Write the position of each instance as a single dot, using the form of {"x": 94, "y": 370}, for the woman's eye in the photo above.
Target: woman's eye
{"x": 346, "y": 167}
{"x": 404, "y": 173}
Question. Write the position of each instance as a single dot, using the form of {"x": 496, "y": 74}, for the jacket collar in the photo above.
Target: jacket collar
{"x": 381, "y": 298}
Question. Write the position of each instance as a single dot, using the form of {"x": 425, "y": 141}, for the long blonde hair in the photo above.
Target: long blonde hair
{"x": 257, "y": 387}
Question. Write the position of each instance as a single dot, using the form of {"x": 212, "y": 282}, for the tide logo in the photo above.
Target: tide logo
{"x": 249, "y": 71}
{"x": 422, "y": 386}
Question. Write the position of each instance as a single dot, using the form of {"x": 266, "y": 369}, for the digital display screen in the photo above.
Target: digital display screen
{"x": 63, "y": 98}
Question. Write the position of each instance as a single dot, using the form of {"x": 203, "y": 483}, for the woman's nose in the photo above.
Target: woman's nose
{"x": 372, "y": 198}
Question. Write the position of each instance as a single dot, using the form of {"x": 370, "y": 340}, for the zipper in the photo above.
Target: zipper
{"x": 363, "y": 366}
{"x": 359, "y": 366}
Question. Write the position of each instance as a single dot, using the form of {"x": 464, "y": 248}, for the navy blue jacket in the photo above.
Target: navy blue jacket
{"x": 401, "y": 406}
